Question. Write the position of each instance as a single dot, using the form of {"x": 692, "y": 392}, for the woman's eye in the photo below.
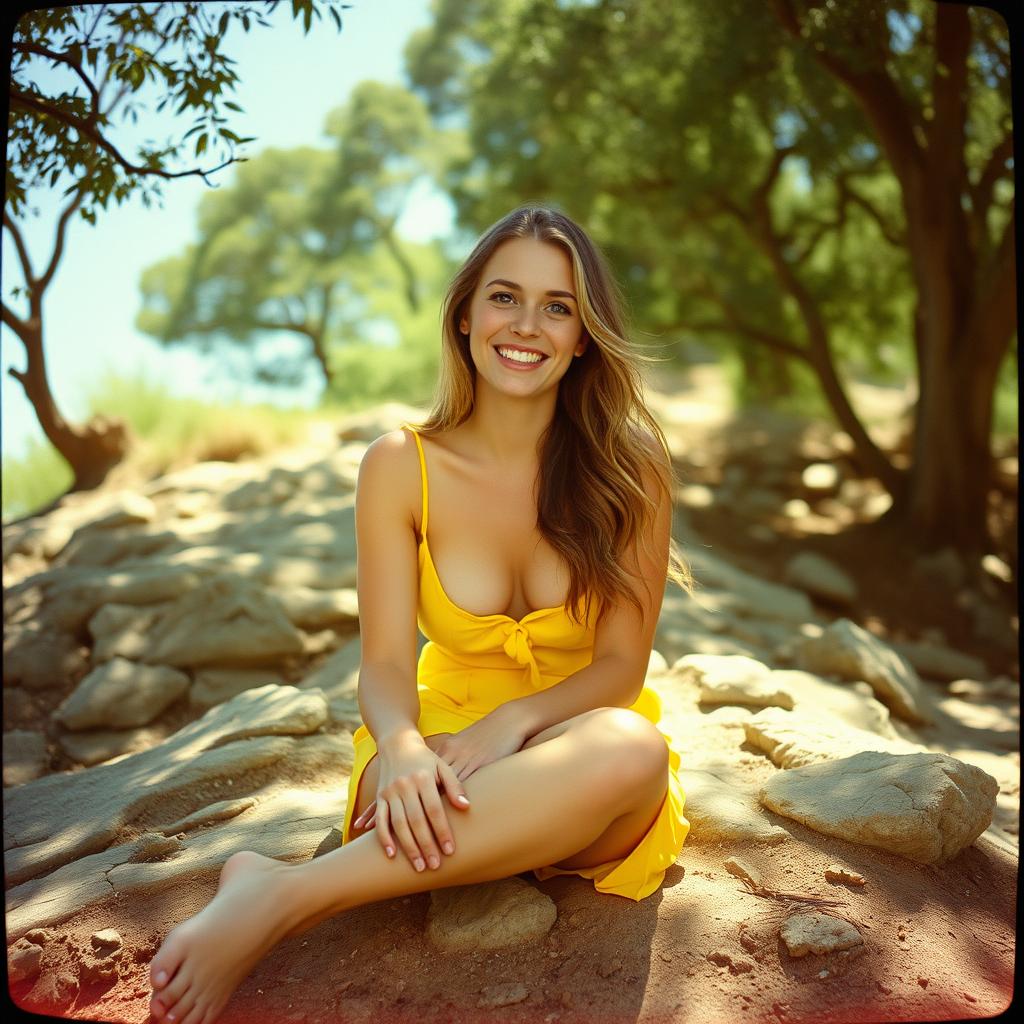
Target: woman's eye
{"x": 560, "y": 307}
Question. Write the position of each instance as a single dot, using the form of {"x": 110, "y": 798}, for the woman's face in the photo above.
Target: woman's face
{"x": 525, "y": 302}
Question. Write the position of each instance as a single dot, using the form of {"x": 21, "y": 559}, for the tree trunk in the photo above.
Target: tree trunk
{"x": 91, "y": 450}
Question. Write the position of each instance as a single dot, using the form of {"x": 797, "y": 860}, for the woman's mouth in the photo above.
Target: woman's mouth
{"x": 517, "y": 360}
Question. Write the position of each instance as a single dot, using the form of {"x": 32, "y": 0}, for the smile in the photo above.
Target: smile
{"x": 517, "y": 360}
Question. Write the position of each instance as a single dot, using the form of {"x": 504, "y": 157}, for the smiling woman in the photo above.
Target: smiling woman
{"x": 548, "y": 513}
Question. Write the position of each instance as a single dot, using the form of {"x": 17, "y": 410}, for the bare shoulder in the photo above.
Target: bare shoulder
{"x": 389, "y": 475}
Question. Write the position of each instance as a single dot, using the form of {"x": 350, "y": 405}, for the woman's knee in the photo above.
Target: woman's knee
{"x": 630, "y": 741}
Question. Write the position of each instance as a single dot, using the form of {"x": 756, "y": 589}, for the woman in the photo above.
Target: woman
{"x": 548, "y": 518}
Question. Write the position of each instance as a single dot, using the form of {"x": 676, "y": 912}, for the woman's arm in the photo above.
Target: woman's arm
{"x": 387, "y": 585}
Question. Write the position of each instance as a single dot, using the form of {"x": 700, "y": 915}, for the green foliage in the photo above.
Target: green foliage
{"x": 1006, "y": 413}
{"x": 111, "y": 56}
{"x": 657, "y": 124}
{"x": 303, "y": 243}
{"x": 33, "y": 480}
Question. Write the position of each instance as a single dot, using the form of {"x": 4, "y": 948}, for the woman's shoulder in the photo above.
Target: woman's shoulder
{"x": 389, "y": 472}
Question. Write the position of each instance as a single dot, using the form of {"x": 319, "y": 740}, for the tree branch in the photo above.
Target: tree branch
{"x": 23, "y": 256}
{"x": 20, "y": 328}
{"x": 58, "y": 243}
{"x": 86, "y": 129}
{"x": 63, "y": 58}
{"x": 891, "y": 236}
{"x": 981, "y": 194}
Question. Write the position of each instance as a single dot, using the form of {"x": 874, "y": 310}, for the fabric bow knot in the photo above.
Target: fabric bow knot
{"x": 519, "y": 647}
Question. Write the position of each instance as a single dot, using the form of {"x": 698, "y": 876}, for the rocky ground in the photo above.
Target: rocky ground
{"x": 179, "y": 683}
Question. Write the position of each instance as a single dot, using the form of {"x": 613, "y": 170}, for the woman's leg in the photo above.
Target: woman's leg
{"x": 604, "y": 766}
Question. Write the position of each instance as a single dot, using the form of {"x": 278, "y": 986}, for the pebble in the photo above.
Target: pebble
{"x": 837, "y": 873}
{"x": 23, "y": 960}
{"x": 502, "y": 995}
{"x": 106, "y": 940}
{"x": 741, "y": 869}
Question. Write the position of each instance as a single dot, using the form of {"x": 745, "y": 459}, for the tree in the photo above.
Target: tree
{"x": 278, "y": 250}
{"x": 111, "y": 54}
{"x": 686, "y": 163}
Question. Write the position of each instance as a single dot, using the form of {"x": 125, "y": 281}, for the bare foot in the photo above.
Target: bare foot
{"x": 204, "y": 959}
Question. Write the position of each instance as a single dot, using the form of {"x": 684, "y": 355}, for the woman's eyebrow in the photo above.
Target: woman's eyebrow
{"x": 518, "y": 288}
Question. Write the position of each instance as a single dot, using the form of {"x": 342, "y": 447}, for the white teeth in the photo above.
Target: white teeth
{"x": 520, "y": 357}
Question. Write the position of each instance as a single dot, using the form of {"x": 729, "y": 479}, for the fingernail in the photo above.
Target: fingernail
{"x": 419, "y": 864}
{"x": 449, "y": 848}
{"x": 161, "y": 977}
{"x": 390, "y": 850}
{"x": 464, "y": 799}
{"x": 434, "y": 861}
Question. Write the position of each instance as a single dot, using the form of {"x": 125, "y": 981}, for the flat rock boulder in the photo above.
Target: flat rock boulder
{"x": 793, "y": 739}
{"x": 923, "y": 806}
{"x": 936, "y": 661}
{"x": 121, "y": 694}
{"x": 212, "y": 686}
{"x": 849, "y": 652}
{"x": 313, "y": 609}
{"x": 491, "y": 915}
{"x": 732, "y": 679}
{"x": 25, "y": 756}
{"x": 232, "y": 620}
{"x": 60, "y": 818}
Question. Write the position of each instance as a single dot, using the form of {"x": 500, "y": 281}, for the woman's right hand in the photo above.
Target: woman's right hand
{"x": 409, "y": 806}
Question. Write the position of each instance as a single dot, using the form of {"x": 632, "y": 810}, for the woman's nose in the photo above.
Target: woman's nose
{"x": 526, "y": 322}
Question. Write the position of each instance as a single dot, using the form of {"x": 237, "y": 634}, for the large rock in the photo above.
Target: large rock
{"x": 492, "y": 915}
{"x": 846, "y": 650}
{"x": 793, "y": 739}
{"x": 925, "y": 806}
{"x": 57, "y": 819}
{"x": 121, "y": 694}
{"x": 936, "y": 661}
{"x": 213, "y": 686}
{"x": 38, "y": 657}
{"x": 747, "y": 595}
{"x": 230, "y": 621}
{"x": 313, "y": 609}
{"x": 732, "y": 679}
{"x": 25, "y": 756}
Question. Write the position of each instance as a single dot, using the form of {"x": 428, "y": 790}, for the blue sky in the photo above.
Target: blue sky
{"x": 288, "y": 83}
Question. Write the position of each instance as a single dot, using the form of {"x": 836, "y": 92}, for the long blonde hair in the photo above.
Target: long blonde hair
{"x": 592, "y": 506}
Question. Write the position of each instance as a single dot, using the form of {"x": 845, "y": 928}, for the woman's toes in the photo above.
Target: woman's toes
{"x": 170, "y": 996}
{"x": 160, "y": 969}
{"x": 168, "y": 960}
{"x": 181, "y": 1009}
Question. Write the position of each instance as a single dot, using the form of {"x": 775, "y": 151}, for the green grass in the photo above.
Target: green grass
{"x": 172, "y": 432}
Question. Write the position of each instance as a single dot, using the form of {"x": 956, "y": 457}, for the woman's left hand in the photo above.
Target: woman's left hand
{"x": 499, "y": 733}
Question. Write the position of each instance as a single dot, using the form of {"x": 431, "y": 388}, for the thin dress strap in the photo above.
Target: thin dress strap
{"x": 423, "y": 481}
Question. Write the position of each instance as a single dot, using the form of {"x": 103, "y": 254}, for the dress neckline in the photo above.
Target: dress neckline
{"x": 502, "y": 616}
